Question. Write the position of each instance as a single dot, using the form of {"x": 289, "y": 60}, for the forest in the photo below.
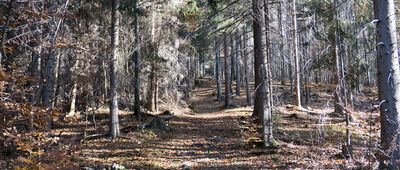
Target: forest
{"x": 199, "y": 84}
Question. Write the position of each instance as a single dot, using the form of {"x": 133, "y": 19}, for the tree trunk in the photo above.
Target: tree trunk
{"x": 105, "y": 95}
{"x": 196, "y": 73}
{"x": 290, "y": 66}
{"x": 35, "y": 70}
{"x": 189, "y": 76}
{"x": 336, "y": 61}
{"x": 388, "y": 81}
{"x": 233, "y": 68}
{"x": 74, "y": 88}
{"x": 156, "y": 93}
{"x": 237, "y": 65}
{"x": 282, "y": 16}
{"x": 49, "y": 80}
{"x": 307, "y": 75}
{"x": 296, "y": 57}
{"x": 4, "y": 30}
{"x": 150, "y": 99}
{"x": 114, "y": 124}
{"x": 233, "y": 63}
{"x": 261, "y": 108}
{"x": 228, "y": 95}
{"x": 73, "y": 99}
{"x": 258, "y": 34}
{"x": 136, "y": 81}
{"x": 212, "y": 68}
{"x": 57, "y": 80}
{"x": 222, "y": 67}
{"x": 246, "y": 71}
{"x": 290, "y": 74}
{"x": 218, "y": 69}
{"x": 268, "y": 74}
{"x": 251, "y": 67}
{"x": 290, "y": 55}
{"x": 202, "y": 67}
{"x": 49, "y": 72}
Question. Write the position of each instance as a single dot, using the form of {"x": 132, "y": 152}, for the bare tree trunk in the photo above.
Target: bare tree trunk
{"x": 388, "y": 81}
{"x": 222, "y": 67}
{"x": 336, "y": 61}
{"x": 306, "y": 69}
{"x": 150, "y": 97}
{"x": 114, "y": 123}
{"x": 4, "y": 30}
{"x": 290, "y": 74}
{"x": 318, "y": 73}
{"x": 196, "y": 73}
{"x": 268, "y": 74}
{"x": 282, "y": 45}
{"x": 105, "y": 95}
{"x": 228, "y": 95}
{"x": 251, "y": 68}
{"x": 353, "y": 83}
{"x": 261, "y": 109}
{"x": 156, "y": 93}
{"x": 237, "y": 65}
{"x": 213, "y": 68}
{"x": 259, "y": 53}
{"x": 290, "y": 55}
{"x": 56, "y": 86}
{"x": 38, "y": 98}
{"x": 136, "y": 81}
{"x": 49, "y": 71}
{"x": 35, "y": 70}
{"x": 48, "y": 78}
{"x": 202, "y": 67}
{"x": 246, "y": 71}
{"x": 74, "y": 88}
{"x": 232, "y": 63}
{"x": 189, "y": 76}
{"x": 198, "y": 67}
{"x": 290, "y": 65}
{"x": 73, "y": 99}
{"x": 296, "y": 57}
{"x": 218, "y": 69}
{"x": 47, "y": 92}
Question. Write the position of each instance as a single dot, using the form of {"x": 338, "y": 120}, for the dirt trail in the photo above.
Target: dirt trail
{"x": 207, "y": 138}
{"x": 210, "y": 137}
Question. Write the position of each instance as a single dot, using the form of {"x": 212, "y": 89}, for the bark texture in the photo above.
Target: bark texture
{"x": 334, "y": 38}
{"x": 114, "y": 124}
{"x": 296, "y": 57}
{"x": 228, "y": 95}
{"x": 261, "y": 104}
{"x": 137, "y": 64}
{"x": 246, "y": 69}
{"x": 237, "y": 65}
{"x": 388, "y": 81}
{"x": 218, "y": 69}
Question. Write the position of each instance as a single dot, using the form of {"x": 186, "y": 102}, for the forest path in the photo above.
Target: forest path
{"x": 206, "y": 137}
{"x": 209, "y": 137}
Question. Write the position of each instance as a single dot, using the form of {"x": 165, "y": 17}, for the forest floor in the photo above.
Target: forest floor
{"x": 207, "y": 136}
